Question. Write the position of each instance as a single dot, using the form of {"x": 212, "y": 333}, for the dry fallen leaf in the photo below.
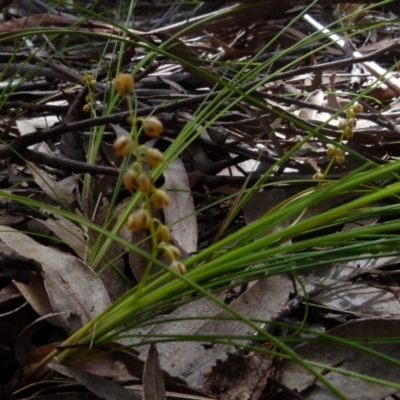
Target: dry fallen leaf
{"x": 192, "y": 360}
{"x": 102, "y": 387}
{"x": 180, "y": 214}
{"x": 55, "y": 190}
{"x": 348, "y": 358}
{"x": 153, "y": 380}
{"x": 74, "y": 290}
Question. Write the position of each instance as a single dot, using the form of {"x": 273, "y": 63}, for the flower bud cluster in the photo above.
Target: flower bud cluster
{"x": 347, "y": 126}
{"x": 135, "y": 178}
{"x": 91, "y": 83}
{"x": 172, "y": 253}
{"x": 337, "y": 153}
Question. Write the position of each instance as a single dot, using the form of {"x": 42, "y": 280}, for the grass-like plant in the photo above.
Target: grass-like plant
{"x": 250, "y": 253}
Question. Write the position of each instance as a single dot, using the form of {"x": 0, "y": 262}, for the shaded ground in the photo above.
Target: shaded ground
{"x": 46, "y": 131}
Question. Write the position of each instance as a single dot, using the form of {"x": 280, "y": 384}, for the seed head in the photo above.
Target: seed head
{"x": 139, "y": 219}
{"x": 342, "y": 124}
{"x": 348, "y": 132}
{"x": 163, "y": 233}
{"x": 350, "y": 113}
{"x": 318, "y": 175}
{"x": 340, "y": 152}
{"x": 358, "y": 108}
{"x": 123, "y": 146}
{"x": 124, "y": 84}
{"x": 340, "y": 159}
{"x": 352, "y": 123}
{"x": 177, "y": 266}
{"x": 86, "y": 108}
{"x": 145, "y": 183}
{"x": 331, "y": 151}
{"x": 154, "y": 157}
{"x": 152, "y": 127}
{"x": 130, "y": 181}
{"x": 160, "y": 199}
{"x": 172, "y": 252}
{"x": 86, "y": 79}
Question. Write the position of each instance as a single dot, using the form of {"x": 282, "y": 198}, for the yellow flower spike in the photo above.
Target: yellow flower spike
{"x": 86, "y": 108}
{"x": 145, "y": 183}
{"x": 130, "y": 181}
{"x": 340, "y": 159}
{"x": 152, "y": 127}
{"x": 358, "y": 108}
{"x": 177, "y": 266}
{"x": 139, "y": 219}
{"x": 163, "y": 233}
{"x": 93, "y": 83}
{"x": 153, "y": 157}
{"x": 124, "y": 84}
{"x": 331, "y": 151}
{"x": 160, "y": 198}
{"x": 123, "y": 146}
{"x": 348, "y": 132}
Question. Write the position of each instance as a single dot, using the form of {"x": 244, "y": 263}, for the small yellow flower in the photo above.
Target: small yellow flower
{"x": 340, "y": 159}
{"x": 160, "y": 198}
{"x": 163, "y": 234}
{"x": 331, "y": 151}
{"x": 123, "y": 146}
{"x": 93, "y": 83}
{"x": 340, "y": 152}
{"x": 86, "y": 108}
{"x": 352, "y": 123}
{"x": 86, "y": 78}
{"x": 145, "y": 183}
{"x": 152, "y": 127}
{"x": 350, "y": 113}
{"x": 130, "y": 180}
{"x": 358, "y": 108}
{"x": 348, "y": 132}
{"x": 139, "y": 219}
{"x": 318, "y": 175}
{"x": 154, "y": 157}
{"x": 124, "y": 84}
{"x": 172, "y": 253}
{"x": 342, "y": 124}
{"x": 177, "y": 266}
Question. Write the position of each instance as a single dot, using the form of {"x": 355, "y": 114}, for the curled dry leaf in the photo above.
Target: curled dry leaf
{"x": 316, "y": 98}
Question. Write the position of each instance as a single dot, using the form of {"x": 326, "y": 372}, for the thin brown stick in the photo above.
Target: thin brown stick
{"x": 67, "y": 165}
